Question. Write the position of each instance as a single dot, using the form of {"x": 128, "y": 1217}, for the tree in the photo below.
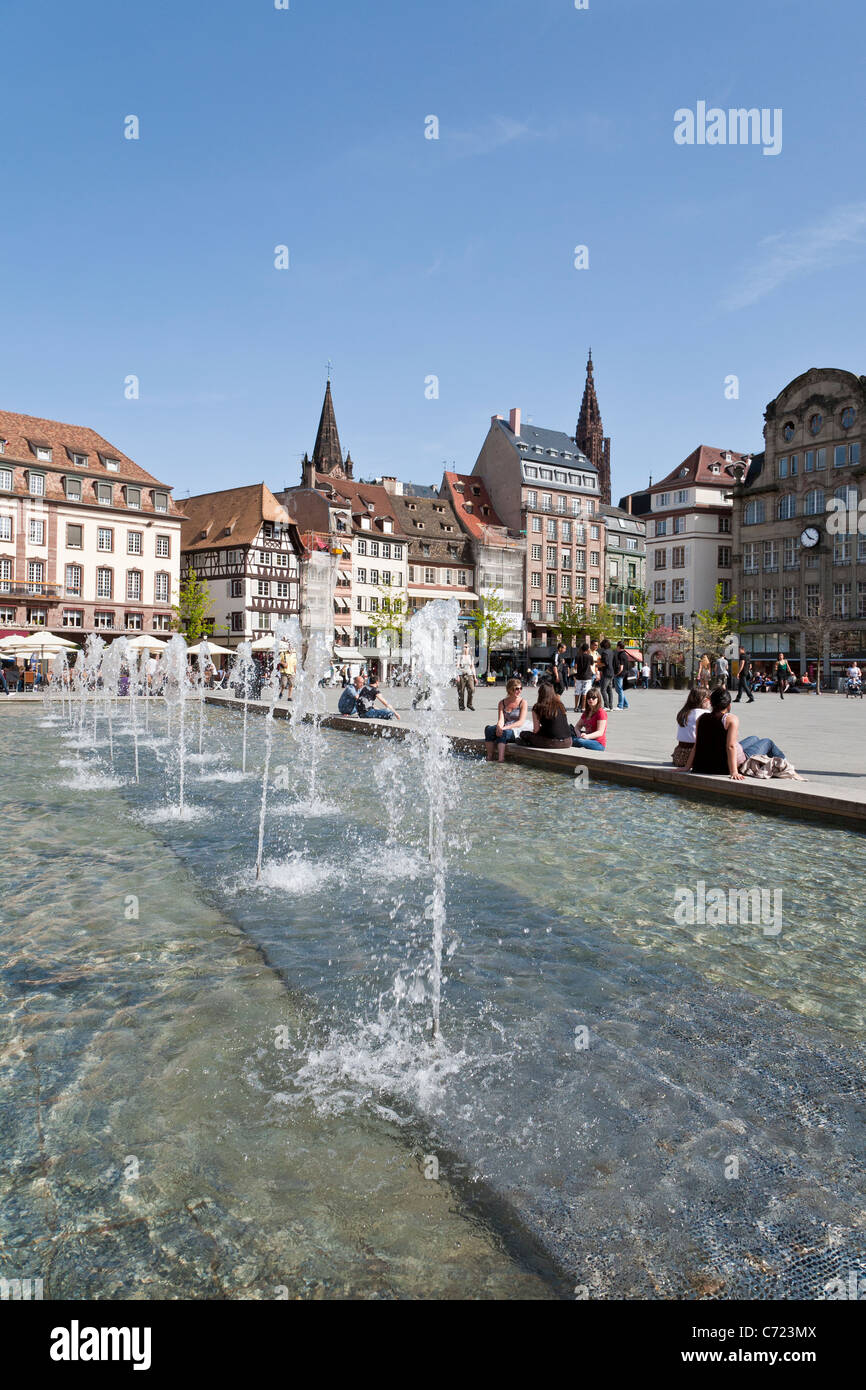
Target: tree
{"x": 713, "y": 626}
{"x": 390, "y": 618}
{"x": 576, "y": 622}
{"x": 642, "y": 620}
{"x": 192, "y": 610}
{"x": 668, "y": 644}
{"x": 492, "y": 620}
{"x": 819, "y": 628}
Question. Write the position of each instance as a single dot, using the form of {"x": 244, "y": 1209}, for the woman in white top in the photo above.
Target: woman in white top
{"x": 697, "y": 702}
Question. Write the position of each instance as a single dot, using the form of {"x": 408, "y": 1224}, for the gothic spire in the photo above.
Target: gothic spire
{"x": 327, "y": 453}
{"x": 589, "y": 435}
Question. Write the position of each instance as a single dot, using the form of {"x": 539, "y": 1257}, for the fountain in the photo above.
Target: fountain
{"x": 286, "y": 633}
{"x": 241, "y": 674}
{"x": 176, "y": 688}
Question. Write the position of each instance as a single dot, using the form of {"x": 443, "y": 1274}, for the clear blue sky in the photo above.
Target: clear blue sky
{"x": 412, "y": 257}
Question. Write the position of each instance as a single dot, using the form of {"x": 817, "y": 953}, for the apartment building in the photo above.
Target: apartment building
{"x": 498, "y": 555}
{"x": 246, "y": 548}
{"x": 89, "y": 541}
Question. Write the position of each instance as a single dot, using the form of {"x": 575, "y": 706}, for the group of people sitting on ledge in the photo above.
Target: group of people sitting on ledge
{"x": 549, "y": 721}
{"x": 708, "y": 732}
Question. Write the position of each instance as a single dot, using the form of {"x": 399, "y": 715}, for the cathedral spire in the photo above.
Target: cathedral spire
{"x": 326, "y": 452}
{"x": 589, "y": 435}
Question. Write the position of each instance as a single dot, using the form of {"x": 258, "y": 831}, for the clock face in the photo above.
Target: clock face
{"x": 810, "y": 537}
{"x": 789, "y": 431}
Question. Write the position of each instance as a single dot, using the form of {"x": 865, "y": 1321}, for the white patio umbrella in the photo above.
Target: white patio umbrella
{"x": 147, "y": 644}
{"x": 40, "y": 642}
{"x": 214, "y": 649}
{"x": 266, "y": 644}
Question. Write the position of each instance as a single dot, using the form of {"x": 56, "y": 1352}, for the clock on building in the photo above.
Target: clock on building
{"x": 810, "y": 537}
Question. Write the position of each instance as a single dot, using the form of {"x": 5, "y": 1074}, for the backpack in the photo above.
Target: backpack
{"x": 348, "y": 700}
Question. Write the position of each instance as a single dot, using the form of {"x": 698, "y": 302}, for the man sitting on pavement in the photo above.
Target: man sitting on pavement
{"x": 366, "y": 696}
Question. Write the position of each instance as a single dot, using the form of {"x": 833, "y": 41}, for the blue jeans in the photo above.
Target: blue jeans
{"x": 588, "y": 743}
{"x": 753, "y": 745}
{"x": 491, "y": 736}
{"x": 621, "y": 701}
{"x": 377, "y": 714}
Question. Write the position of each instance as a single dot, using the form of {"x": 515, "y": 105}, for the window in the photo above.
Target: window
{"x": 771, "y": 604}
{"x": 575, "y": 506}
{"x": 133, "y": 498}
{"x": 43, "y": 453}
{"x": 263, "y": 588}
{"x": 678, "y": 557}
{"x": 550, "y": 611}
{"x": 397, "y": 552}
{"x": 725, "y": 585}
{"x": 5, "y": 528}
{"x": 374, "y": 604}
{"x": 37, "y": 617}
{"x": 236, "y": 588}
{"x": 771, "y": 557}
{"x": 593, "y": 584}
{"x": 133, "y": 585}
{"x": 535, "y": 579}
{"x": 6, "y": 580}
{"x": 72, "y": 617}
{"x": 565, "y": 559}
{"x": 160, "y": 501}
{"x": 754, "y": 512}
{"x": 6, "y": 479}
{"x": 536, "y": 523}
{"x": 661, "y": 528}
{"x": 237, "y": 622}
{"x": 361, "y": 576}
{"x": 361, "y": 547}
{"x": 813, "y": 502}
{"x": 535, "y": 608}
{"x": 111, "y": 465}
{"x": 264, "y": 557}
{"x": 678, "y": 591}
{"x": 789, "y": 602}
{"x": 104, "y": 494}
{"x": 161, "y": 622}
{"x": 104, "y": 538}
{"x": 36, "y": 482}
{"x": 560, "y": 504}
{"x": 72, "y": 487}
{"x": 374, "y": 547}
{"x": 532, "y": 500}
{"x": 551, "y": 554}
{"x": 725, "y": 524}
{"x": 787, "y": 507}
{"x": 282, "y": 590}
{"x": 551, "y": 528}
{"x": 750, "y": 557}
{"x": 820, "y": 458}
{"x": 594, "y": 557}
{"x": 551, "y": 583}
{"x": 133, "y": 542}
{"x": 449, "y": 577}
{"x": 36, "y": 531}
{"x": 782, "y": 469}
{"x": 80, "y": 460}
{"x": 813, "y": 600}
{"x": 103, "y": 619}
{"x": 132, "y": 622}
{"x": 791, "y": 553}
{"x": 660, "y": 560}
{"x": 566, "y": 531}
{"x": 682, "y": 497}
{"x": 841, "y": 550}
{"x": 103, "y": 583}
{"x": 842, "y": 600}
{"x": 429, "y": 576}
{"x": 73, "y": 580}
{"x": 750, "y": 606}
{"x": 536, "y": 552}
{"x": 861, "y": 600}
{"x": 579, "y": 584}
{"x": 360, "y": 603}
{"x": 840, "y": 458}
{"x": 160, "y": 588}
{"x": 35, "y": 575}
{"x": 723, "y": 561}
{"x": 660, "y": 591}
{"x": 374, "y": 576}
{"x": 795, "y": 465}
{"x": 594, "y": 533}
{"x": 679, "y": 525}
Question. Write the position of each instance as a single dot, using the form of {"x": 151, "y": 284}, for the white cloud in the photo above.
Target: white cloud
{"x": 789, "y": 255}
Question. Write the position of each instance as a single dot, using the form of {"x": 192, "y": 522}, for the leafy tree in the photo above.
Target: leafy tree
{"x": 192, "y": 610}
{"x": 642, "y": 620}
{"x": 390, "y": 618}
{"x": 713, "y": 626}
{"x": 492, "y": 620}
{"x": 820, "y": 627}
{"x": 669, "y": 644}
{"x": 576, "y": 622}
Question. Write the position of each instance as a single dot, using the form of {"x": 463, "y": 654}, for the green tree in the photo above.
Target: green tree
{"x": 193, "y": 607}
{"x": 390, "y": 618}
{"x": 713, "y": 626}
{"x": 492, "y": 620}
{"x": 642, "y": 620}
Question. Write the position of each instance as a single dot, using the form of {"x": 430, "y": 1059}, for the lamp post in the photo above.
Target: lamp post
{"x": 693, "y": 616}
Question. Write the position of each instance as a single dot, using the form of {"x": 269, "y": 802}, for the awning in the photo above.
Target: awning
{"x": 441, "y": 593}
{"x": 633, "y": 652}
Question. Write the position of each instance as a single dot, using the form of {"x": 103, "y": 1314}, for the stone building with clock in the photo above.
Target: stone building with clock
{"x": 797, "y": 551}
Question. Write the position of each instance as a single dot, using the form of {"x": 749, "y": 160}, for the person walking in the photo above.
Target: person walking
{"x": 584, "y": 675}
{"x": 645, "y": 675}
{"x": 783, "y": 675}
{"x": 560, "y": 669}
{"x": 466, "y": 678}
{"x": 722, "y": 671}
{"x": 620, "y": 674}
{"x": 606, "y": 670}
{"x": 744, "y": 674}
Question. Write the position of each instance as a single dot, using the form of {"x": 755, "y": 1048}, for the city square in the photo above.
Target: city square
{"x": 435, "y": 774}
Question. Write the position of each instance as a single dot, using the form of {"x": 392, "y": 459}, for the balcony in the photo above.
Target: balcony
{"x": 14, "y": 589}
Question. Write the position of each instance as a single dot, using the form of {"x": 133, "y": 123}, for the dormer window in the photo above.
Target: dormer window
{"x": 43, "y": 452}
{"x": 36, "y": 483}
{"x": 80, "y": 460}
{"x": 476, "y": 490}
{"x": 365, "y": 523}
{"x": 3, "y": 443}
{"x": 160, "y": 501}
{"x": 112, "y": 465}
{"x": 73, "y": 489}
{"x": 468, "y": 507}
{"x": 104, "y": 494}
{"x": 133, "y": 497}
{"x": 387, "y": 525}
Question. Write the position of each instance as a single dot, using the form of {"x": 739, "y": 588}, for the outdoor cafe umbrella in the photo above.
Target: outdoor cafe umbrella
{"x": 213, "y": 649}
{"x": 266, "y": 644}
{"x": 38, "y": 642}
{"x": 146, "y": 644}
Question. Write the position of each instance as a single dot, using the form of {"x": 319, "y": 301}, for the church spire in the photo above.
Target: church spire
{"x": 327, "y": 452}
{"x": 589, "y": 435}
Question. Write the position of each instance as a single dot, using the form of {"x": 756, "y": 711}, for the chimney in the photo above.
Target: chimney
{"x": 494, "y": 418}
{"x": 390, "y": 485}
{"x": 514, "y": 422}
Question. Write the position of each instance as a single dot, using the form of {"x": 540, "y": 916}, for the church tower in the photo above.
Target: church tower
{"x": 327, "y": 455}
{"x": 589, "y": 435}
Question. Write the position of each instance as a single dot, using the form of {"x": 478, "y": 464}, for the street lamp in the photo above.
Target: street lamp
{"x": 693, "y": 616}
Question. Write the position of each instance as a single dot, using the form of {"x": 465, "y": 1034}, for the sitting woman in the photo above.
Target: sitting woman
{"x": 716, "y": 749}
{"x": 550, "y": 727}
{"x": 591, "y": 728}
{"x": 511, "y": 715}
{"x": 697, "y": 701}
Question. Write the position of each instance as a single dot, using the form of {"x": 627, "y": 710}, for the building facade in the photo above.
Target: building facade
{"x": 440, "y": 561}
{"x": 246, "y": 548}
{"x": 544, "y": 488}
{"x": 624, "y": 561}
{"x": 498, "y": 556}
{"x": 89, "y": 541}
{"x": 799, "y": 550}
{"x": 689, "y": 543}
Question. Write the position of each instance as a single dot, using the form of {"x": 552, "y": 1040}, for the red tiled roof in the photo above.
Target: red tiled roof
{"x": 474, "y": 519}
{"x": 22, "y": 431}
{"x": 358, "y": 495}
{"x": 698, "y": 465}
{"x": 238, "y": 510}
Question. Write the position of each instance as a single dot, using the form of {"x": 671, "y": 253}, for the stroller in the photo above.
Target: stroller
{"x": 854, "y": 687}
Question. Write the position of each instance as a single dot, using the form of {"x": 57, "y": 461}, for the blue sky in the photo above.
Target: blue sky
{"x": 412, "y": 257}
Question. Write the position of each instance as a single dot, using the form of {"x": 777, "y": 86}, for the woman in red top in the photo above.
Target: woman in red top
{"x": 591, "y": 728}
